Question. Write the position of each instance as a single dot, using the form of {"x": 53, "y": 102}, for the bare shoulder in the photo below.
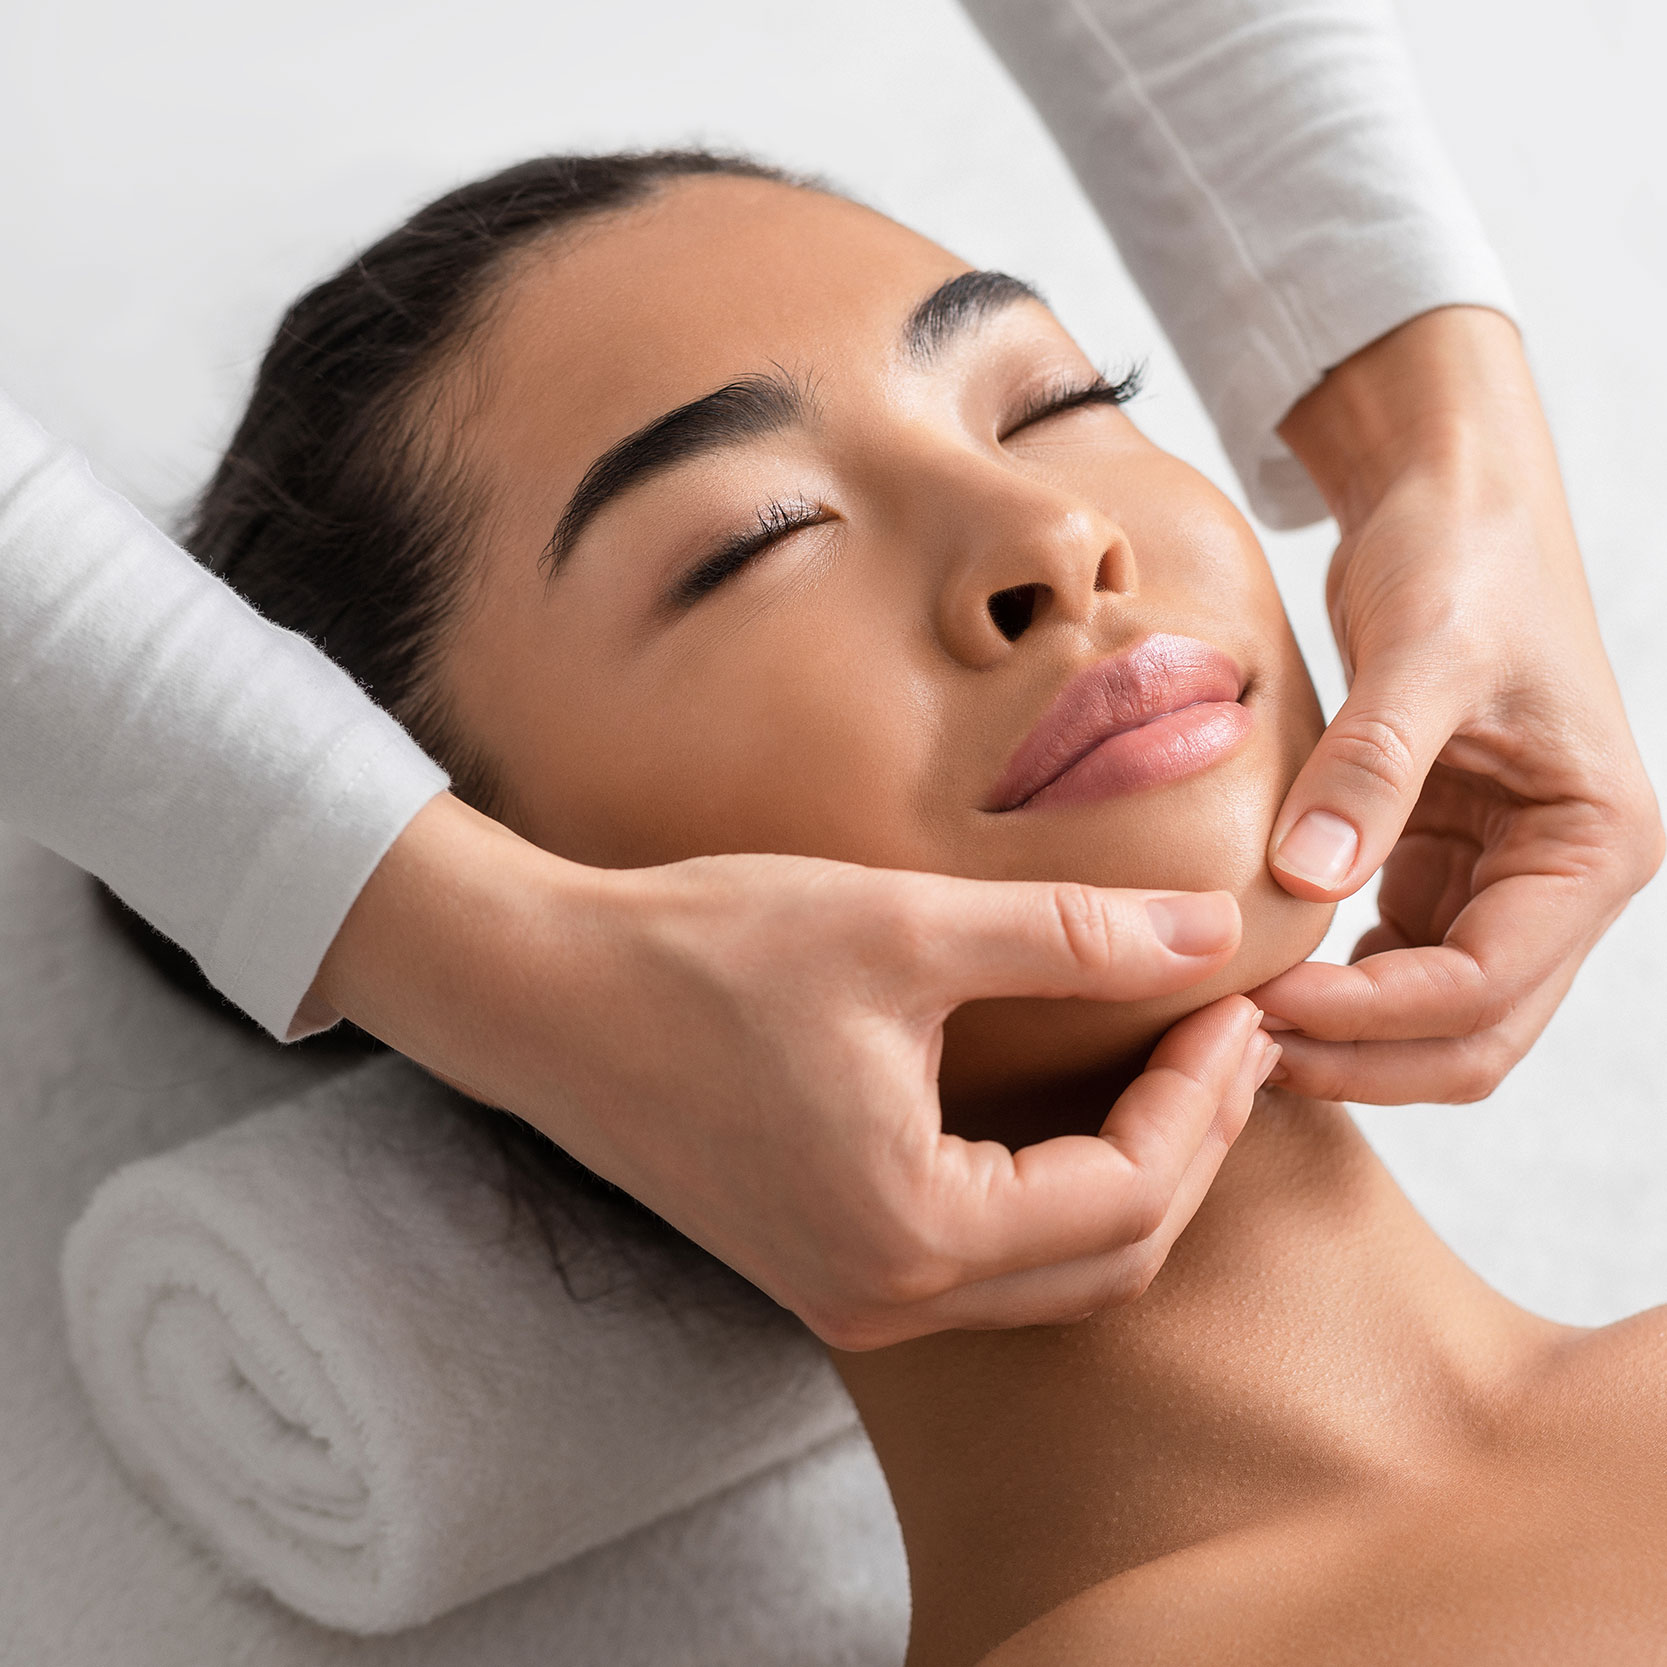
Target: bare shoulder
{"x": 1546, "y": 1546}
{"x": 1616, "y": 1375}
{"x": 1182, "y": 1608}
{"x": 1420, "y": 1596}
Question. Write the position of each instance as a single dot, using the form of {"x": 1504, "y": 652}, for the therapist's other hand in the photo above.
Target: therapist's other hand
{"x": 749, "y": 1045}
{"x": 1482, "y": 756}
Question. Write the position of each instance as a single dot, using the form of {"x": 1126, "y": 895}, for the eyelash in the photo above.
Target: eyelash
{"x": 1058, "y": 400}
{"x": 777, "y": 520}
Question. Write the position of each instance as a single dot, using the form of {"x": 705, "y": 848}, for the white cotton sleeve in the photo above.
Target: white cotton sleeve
{"x": 1272, "y": 182}
{"x": 219, "y": 774}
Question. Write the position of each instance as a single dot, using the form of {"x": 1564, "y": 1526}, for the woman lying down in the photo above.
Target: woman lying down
{"x": 680, "y": 508}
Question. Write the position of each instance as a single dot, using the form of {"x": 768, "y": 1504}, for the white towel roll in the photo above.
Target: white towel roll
{"x": 325, "y": 1341}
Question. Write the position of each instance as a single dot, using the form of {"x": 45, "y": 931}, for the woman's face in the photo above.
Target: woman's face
{"x": 827, "y": 611}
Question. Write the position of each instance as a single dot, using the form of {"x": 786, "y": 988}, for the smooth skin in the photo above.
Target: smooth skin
{"x": 518, "y": 973}
{"x": 1318, "y": 1437}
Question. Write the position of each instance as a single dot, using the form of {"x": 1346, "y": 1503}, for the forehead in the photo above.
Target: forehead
{"x": 603, "y": 328}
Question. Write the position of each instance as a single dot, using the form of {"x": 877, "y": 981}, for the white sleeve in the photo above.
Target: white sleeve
{"x": 218, "y": 773}
{"x": 1273, "y": 185}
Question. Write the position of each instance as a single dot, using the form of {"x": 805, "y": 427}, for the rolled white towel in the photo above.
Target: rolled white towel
{"x": 326, "y": 1341}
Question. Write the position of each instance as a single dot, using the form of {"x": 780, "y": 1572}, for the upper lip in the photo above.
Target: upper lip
{"x": 1158, "y": 675}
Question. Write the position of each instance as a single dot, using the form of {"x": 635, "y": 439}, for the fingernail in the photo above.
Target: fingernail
{"x": 1319, "y": 849}
{"x": 1194, "y": 922}
{"x": 1272, "y": 1021}
{"x": 1270, "y": 1064}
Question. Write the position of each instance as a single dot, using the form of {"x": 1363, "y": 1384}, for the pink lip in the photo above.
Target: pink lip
{"x": 1167, "y": 708}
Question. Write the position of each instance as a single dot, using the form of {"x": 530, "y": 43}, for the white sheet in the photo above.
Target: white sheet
{"x": 99, "y": 1065}
{"x": 327, "y": 1342}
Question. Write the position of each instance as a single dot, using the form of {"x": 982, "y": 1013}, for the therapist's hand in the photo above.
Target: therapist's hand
{"x": 749, "y": 1045}
{"x": 1482, "y": 756}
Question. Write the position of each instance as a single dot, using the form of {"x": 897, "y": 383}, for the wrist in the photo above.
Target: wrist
{"x": 458, "y": 905}
{"x": 1435, "y": 397}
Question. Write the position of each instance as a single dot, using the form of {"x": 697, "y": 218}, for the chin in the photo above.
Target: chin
{"x": 1020, "y": 1071}
{"x": 1023, "y": 1070}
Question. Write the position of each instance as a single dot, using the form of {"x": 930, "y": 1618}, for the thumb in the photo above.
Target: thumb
{"x": 1349, "y": 803}
{"x": 983, "y": 938}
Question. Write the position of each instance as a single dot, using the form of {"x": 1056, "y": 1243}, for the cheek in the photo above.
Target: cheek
{"x": 805, "y": 738}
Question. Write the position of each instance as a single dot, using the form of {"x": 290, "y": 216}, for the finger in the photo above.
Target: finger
{"x": 980, "y": 938}
{"x": 1457, "y": 1071}
{"x": 1188, "y": 1069}
{"x": 1440, "y": 1071}
{"x": 1507, "y": 942}
{"x": 1084, "y": 1195}
{"x": 1073, "y": 1290}
{"x": 1261, "y": 1057}
{"x": 1352, "y": 798}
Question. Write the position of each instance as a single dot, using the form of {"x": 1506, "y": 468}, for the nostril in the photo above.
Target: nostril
{"x": 1014, "y": 609}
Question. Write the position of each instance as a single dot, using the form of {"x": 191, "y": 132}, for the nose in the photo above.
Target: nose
{"x": 1029, "y": 556}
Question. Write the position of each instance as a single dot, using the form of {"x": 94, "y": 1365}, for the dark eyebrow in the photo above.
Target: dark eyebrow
{"x": 958, "y": 305}
{"x": 747, "y": 409}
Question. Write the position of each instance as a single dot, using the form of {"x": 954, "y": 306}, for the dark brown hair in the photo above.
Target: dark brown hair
{"x": 336, "y": 511}
{"x": 332, "y": 511}
{"x": 337, "y": 514}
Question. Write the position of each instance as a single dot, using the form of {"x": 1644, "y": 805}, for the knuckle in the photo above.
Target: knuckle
{"x": 1490, "y": 1010}
{"x": 1329, "y": 1084}
{"x": 907, "y": 1270}
{"x": 1086, "y": 926}
{"x": 904, "y": 931}
{"x": 827, "y": 1323}
{"x": 848, "y": 1330}
{"x": 1499, "y": 1010}
{"x": 1321, "y": 1075}
{"x": 1375, "y": 751}
{"x": 1143, "y": 1217}
{"x": 1622, "y": 844}
{"x": 1650, "y": 846}
{"x": 1233, "y": 1119}
{"x": 1484, "y": 1063}
{"x": 1121, "y": 1288}
{"x": 1457, "y": 994}
{"x": 1132, "y": 1278}
{"x": 1469, "y": 1088}
{"x": 907, "y": 1285}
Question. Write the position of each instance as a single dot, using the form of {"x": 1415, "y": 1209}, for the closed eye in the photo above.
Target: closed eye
{"x": 1055, "y": 401}
{"x": 776, "y": 521}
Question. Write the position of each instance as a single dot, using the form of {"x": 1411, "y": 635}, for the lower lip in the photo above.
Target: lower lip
{"x": 1166, "y": 749}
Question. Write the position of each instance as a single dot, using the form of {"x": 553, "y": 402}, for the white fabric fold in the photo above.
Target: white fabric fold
{"x": 222, "y": 775}
{"x": 1273, "y": 183}
{"x": 327, "y": 1343}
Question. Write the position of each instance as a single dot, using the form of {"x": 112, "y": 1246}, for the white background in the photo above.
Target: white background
{"x": 178, "y": 171}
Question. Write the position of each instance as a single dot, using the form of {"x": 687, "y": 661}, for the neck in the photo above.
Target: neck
{"x": 1308, "y": 1333}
